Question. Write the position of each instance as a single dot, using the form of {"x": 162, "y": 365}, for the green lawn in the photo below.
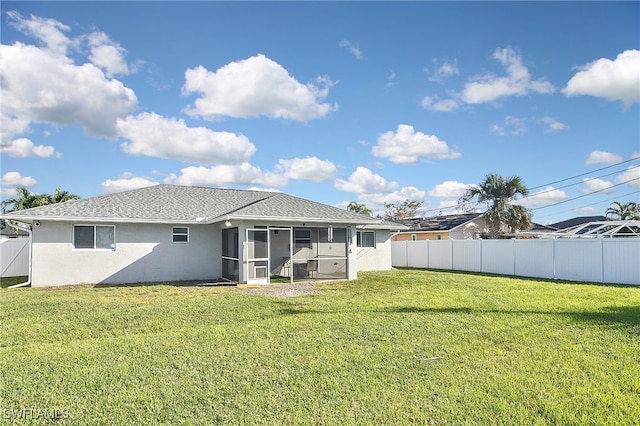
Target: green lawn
{"x": 399, "y": 347}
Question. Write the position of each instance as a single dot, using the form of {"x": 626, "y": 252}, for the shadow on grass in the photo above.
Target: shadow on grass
{"x": 628, "y": 316}
{"x": 199, "y": 283}
{"x": 517, "y": 277}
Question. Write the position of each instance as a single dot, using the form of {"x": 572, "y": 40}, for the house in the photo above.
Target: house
{"x": 580, "y": 220}
{"x": 464, "y": 226}
{"x": 11, "y": 233}
{"x": 178, "y": 233}
{"x": 443, "y": 227}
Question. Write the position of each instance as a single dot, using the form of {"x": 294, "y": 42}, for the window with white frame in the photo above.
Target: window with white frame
{"x": 366, "y": 239}
{"x": 180, "y": 234}
{"x": 96, "y": 237}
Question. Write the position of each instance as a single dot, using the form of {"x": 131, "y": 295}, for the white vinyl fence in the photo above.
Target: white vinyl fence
{"x": 605, "y": 260}
{"x": 14, "y": 257}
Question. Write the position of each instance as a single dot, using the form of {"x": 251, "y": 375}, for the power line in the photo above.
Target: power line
{"x": 608, "y": 200}
{"x": 572, "y": 184}
{"x": 587, "y": 173}
{"x": 460, "y": 205}
{"x": 585, "y": 195}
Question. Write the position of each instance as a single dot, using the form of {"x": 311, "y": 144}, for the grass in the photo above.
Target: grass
{"x": 399, "y": 347}
{"x": 9, "y": 281}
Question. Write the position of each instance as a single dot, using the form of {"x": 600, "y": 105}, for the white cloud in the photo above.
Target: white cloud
{"x": 153, "y": 135}
{"x": 48, "y": 31}
{"x": 449, "y": 190}
{"x": 631, "y": 176}
{"x": 442, "y": 105}
{"x": 443, "y": 70}
{"x": 363, "y": 181}
{"x": 586, "y": 211}
{"x": 43, "y": 87}
{"x": 20, "y": 147}
{"x": 517, "y": 82}
{"x": 226, "y": 175}
{"x": 603, "y": 157}
{"x": 309, "y": 168}
{"x": 107, "y": 55}
{"x": 126, "y": 182}
{"x": 545, "y": 196}
{"x": 391, "y": 80}
{"x": 23, "y": 147}
{"x": 253, "y": 87}
{"x": 353, "y": 48}
{"x": 513, "y": 126}
{"x": 553, "y": 125}
{"x": 16, "y": 179}
{"x": 597, "y": 185}
{"x": 613, "y": 80}
{"x": 406, "y": 145}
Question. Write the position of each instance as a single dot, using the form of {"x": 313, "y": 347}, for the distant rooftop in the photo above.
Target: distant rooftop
{"x": 440, "y": 222}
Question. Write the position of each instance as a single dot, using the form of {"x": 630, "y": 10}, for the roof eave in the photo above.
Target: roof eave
{"x": 31, "y": 219}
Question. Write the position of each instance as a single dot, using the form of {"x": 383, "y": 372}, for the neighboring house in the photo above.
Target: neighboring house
{"x": 466, "y": 226}
{"x": 570, "y": 223}
{"x": 178, "y": 233}
{"x": 10, "y": 232}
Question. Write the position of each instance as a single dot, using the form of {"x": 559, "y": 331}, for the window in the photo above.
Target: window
{"x": 302, "y": 238}
{"x": 366, "y": 239}
{"x": 94, "y": 237}
{"x": 180, "y": 235}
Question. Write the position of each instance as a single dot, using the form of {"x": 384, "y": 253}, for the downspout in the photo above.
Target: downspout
{"x": 28, "y": 282}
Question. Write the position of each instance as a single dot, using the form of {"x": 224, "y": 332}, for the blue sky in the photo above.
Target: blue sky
{"x": 331, "y": 101}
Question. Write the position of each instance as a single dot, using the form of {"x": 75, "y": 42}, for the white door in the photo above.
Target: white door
{"x": 257, "y": 256}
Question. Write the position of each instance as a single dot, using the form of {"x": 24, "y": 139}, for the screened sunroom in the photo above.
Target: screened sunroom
{"x": 264, "y": 254}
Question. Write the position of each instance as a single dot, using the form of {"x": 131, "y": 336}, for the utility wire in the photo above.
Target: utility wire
{"x": 585, "y": 195}
{"x": 572, "y": 184}
{"x": 459, "y": 205}
{"x": 608, "y": 200}
{"x": 584, "y": 174}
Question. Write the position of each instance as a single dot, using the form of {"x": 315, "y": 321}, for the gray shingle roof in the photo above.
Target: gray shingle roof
{"x": 439, "y": 223}
{"x": 170, "y": 203}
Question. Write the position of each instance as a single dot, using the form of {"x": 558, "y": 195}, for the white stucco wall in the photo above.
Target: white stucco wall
{"x": 143, "y": 253}
{"x": 378, "y": 258}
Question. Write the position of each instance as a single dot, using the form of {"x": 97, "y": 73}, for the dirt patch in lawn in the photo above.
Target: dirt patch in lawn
{"x": 284, "y": 290}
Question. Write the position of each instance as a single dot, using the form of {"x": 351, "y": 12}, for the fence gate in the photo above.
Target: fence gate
{"x": 14, "y": 257}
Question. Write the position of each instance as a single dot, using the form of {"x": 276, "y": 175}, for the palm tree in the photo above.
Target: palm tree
{"x": 359, "y": 208}
{"x": 498, "y": 193}
{"x": 62, "y": 196}
{"x": 619, "y": 211}
{"x": 25, "y": 200}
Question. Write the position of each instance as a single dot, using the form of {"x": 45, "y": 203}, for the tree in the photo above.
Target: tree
{"x": 619, "y": 211}
{"x": 498, "y": 193}
{"x": 404, "y": 210}
{"x": 26, "y": 200}
{"x": 62, "y": 196}
{"x": 359, "y": 208}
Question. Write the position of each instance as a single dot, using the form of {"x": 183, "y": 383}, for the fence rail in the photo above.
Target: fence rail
{"x": 605, "y": 260}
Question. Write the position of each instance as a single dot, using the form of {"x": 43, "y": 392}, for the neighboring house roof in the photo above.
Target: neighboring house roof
{"x": 189, "y": 204}
{"x": 577, "y": 221}
{"x": 537, "y": 227}
{"x": 10, "y": 232}
{"x": 439, "y": 223}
